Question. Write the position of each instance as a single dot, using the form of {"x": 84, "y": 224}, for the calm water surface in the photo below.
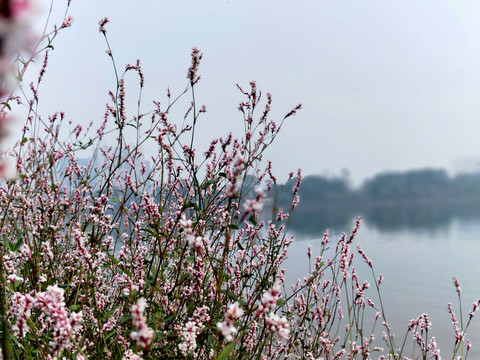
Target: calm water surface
{"x": 418, "y": 262}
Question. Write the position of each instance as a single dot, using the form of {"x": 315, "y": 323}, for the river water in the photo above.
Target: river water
{"x": 417, "y": 259}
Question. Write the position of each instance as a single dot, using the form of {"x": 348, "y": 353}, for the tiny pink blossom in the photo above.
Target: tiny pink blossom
{"x": 278, "y": 325}
{"x": 234, "y": 311}
{"x": 252, "y": 205}
{"x": 102, "y": 24}
{"x": 227, "y": 328}
{"x": 456, "y": 283}
{"x": 130, "y": 355}
{"x": 188, "y": 335}
{"x": 185, "y": 223}
{"x": 67, "y": 22}
{"x": 144, "y": 335}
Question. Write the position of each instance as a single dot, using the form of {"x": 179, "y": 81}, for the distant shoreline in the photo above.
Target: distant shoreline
{"x": 366, "y": 203}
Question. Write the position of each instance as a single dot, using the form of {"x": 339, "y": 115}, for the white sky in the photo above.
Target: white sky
{"x": 385, "y": 85}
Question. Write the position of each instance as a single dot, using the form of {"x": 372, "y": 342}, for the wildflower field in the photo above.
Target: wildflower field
{"x": 172, "y": 256}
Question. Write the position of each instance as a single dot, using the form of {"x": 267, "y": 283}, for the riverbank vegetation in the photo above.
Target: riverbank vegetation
{"x": 399, "y": 188}
{"x": 419, "y": 199}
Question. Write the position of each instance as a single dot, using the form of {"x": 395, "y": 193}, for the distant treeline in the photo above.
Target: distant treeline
{"x": 415, "y": 186}
{"x": 420, "y": 199}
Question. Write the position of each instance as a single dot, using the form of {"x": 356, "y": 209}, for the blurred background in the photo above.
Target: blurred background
{"x": 384, "y": 85}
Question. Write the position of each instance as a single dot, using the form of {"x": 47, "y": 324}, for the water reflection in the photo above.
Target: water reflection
{"x": 393, "y": 217}
{"x": 418, "y": 249}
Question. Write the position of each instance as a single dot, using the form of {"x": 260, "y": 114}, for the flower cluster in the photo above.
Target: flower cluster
{"x": 269, "y": 300}
{"x": 188, "y": 335}
{"x": 278, "y": 325}
{"x": 143, "y": 336}
{"x": 130, "y": 355}
{"x": 236, "y": 178}
{"x": 275, "y": 324}
{"x": 227, "y": 328}
{"x": 64, "y": 326}
{"x": 192, "y": 71}
{"x": 23, "y": 308}
{"x": 196, "y": 242}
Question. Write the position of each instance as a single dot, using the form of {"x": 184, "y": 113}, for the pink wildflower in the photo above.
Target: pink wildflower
{"x": 192, "y": 71}
{"x": 269, "y": 300}
{"x": 144, "y": 335}
{"x": 361, "y": 252}
{"x": 252, "y": 205}
{"x": 102, "y": 24}
{"x": 52, "y": 303}
{"x": 457, "y": 285}
{"x": 195, "y": 241}
{"x": 130, "y": 355}
{"x": 185, "y": 224}
{"x": 278, "y": 325}
{"x": 189, "y": 336}
{"x": 23, "y": 304}
{"x": 234, "y": 312}
{"x": 227, "y": 328}
{"x": 67, "y": 22}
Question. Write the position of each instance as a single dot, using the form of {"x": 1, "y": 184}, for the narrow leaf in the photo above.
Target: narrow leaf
{"x": 226, "y": 351}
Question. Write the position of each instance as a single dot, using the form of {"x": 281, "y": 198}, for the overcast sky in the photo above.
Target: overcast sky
{"x": 385, "y": 85}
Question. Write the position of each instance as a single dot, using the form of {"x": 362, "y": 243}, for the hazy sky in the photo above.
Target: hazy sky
{"x": 385, "y": 85}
